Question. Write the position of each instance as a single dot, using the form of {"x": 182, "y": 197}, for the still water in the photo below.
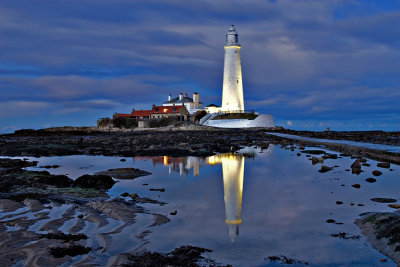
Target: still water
{"x": 248, "y": 206}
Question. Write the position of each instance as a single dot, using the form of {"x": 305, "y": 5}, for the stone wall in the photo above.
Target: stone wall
{"x": 263, "y": 120}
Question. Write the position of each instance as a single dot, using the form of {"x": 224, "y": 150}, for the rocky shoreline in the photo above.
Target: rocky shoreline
{"x": 26, "y": 197}
{"x": 177, "y": 142}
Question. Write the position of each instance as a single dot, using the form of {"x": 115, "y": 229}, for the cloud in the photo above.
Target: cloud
{"x": 300, "y": 59}
{"x": 12, "y": 108}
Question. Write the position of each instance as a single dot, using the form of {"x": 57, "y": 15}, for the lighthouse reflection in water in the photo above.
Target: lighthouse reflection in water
{"x": 233, "y": 176}
{"x": 233, "y": 173}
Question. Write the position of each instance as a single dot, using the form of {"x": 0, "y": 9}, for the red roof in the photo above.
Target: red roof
{"x": 140, "y": 113}
{"x": 155, "y": 110}
{"x": 166, "y": 109}
{"x": 122, "y": 115}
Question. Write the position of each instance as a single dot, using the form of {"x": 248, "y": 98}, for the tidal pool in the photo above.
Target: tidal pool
{"x": 248, "y": 206}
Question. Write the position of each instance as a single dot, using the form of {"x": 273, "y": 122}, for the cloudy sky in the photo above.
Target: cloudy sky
{"x": 312, "y": 64}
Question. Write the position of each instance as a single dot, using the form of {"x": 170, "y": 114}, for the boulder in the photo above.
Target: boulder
{"x": 356, "y": 167}
{"x": 324, "y": 169}
{"x": 356, "y": 164}
{"x": 101, "y": 182}
{"x": 316, "y": 160}
{"x": 56, "y": 180}
{"x": 384, "y": 200}
{"x": 16, "y": 163}
{"x": 370, "y": 180}
{"x": 377, "y": 173}
{"x": 124, "y": 173}
{"x": 384, "y": 165}
{"x": 313, "y": 152}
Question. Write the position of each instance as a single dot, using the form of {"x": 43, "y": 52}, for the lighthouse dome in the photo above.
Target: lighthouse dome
{"x": 232, "y": 36}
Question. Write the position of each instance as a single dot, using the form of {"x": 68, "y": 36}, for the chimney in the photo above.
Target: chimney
{"x": 180, "y": 96}
{"x": 196, "y": 98}
{"x": 169, "y": 97}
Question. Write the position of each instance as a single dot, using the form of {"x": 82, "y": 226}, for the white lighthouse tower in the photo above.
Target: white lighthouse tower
{"x": 232, "y": 91}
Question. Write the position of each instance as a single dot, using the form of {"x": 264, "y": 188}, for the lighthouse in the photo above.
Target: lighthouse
{"x": 232, "y": 90}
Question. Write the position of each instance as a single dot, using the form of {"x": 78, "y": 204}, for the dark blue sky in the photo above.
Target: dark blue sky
{"x": 312, "y": 64}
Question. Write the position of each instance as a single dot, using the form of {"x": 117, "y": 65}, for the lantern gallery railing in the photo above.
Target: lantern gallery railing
{"x": 234, "y": 111}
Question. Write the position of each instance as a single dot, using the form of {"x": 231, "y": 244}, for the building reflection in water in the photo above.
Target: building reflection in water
{"x": 181, "y": 165}
{"x": 233, "y": 176}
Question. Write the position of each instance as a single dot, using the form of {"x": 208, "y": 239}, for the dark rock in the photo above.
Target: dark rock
{"x": 394, "y": 206}
{"x": 16, "y": 163}
{"x": 377, "y": 173}
{"x": 339, "y": 202}
{"x": 50, "y": 166}
{"x": 356, "y": 164}
{"x": 101, "y": 182}
{"x": 383, "y": 232}
{"x": 126, "y": 194}
{"x": 384, "y": 200}
{"x": 56, "y": 180}
{"x": 344, "y": 235}
{"x": 363, "y": 160}
{"x": 315, "y": 160}
{"x": 330, "y": 221}
{"x": 134, "y": 196}
{"x": 356, "y": 185}
{"x": 330, "y": 156}
{"x": 313, "y": 152}
{"x": 356, "y": 167}
{"x": 370, "y": 180}
{"x": 70, "y": 250}
{"x": 22, "y": 196}
{"x": 173, "y": 212}
{"x": 182, "y": 256}
{"x": 157, "y": 189}
{"x": 64, "y": 237}
{"x": 122, "y": 160}
{"x": 325, "y": 169}
{"x": 124, "y": 173}
{"x": 384, "y": 165}
{"x": 285, "y": 260}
